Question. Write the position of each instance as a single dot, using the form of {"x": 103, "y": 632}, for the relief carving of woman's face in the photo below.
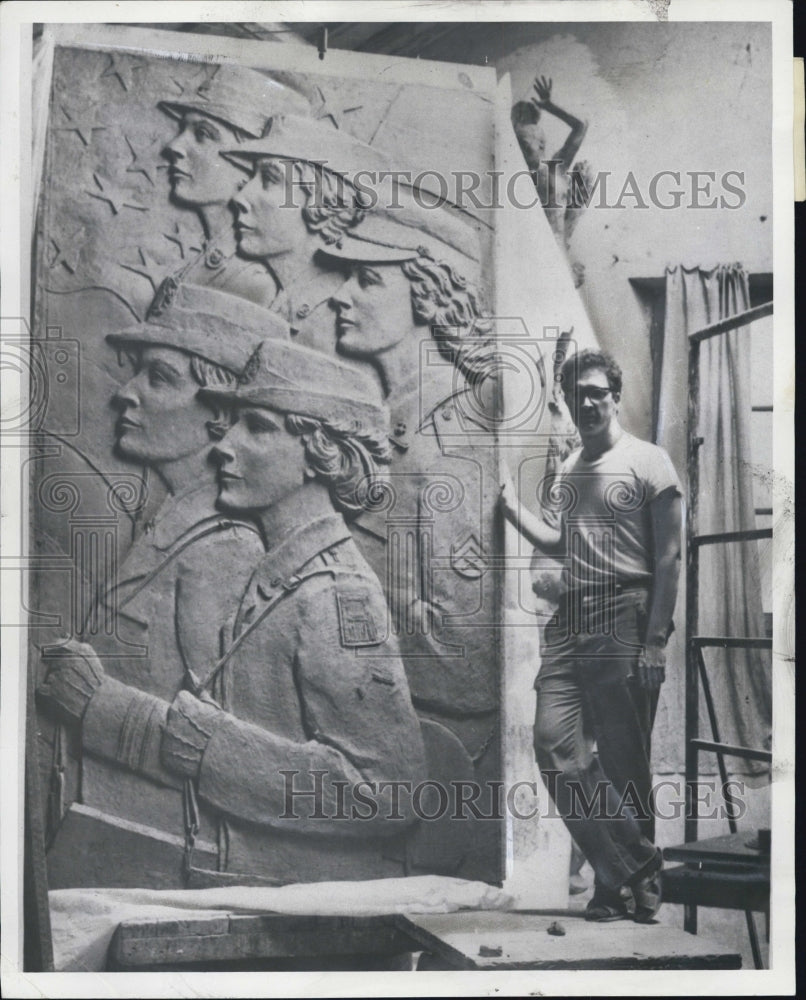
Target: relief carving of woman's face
{"x": 161, "y": 418}
{"x": 268, "y": 210}
{"x": 259, "y": 460}
{"x": 373, "y": 310}
{"x": 198, "y": 174}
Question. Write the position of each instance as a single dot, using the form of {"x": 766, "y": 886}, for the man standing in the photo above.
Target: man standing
{"x": 614, "y": 513}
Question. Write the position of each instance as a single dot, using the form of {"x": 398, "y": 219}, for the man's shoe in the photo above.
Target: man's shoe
{"x": 608, "y": 905}
{"x": 646, "y": 891}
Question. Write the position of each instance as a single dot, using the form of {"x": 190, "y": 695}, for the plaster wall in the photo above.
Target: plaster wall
{"x": 676, "y": 97}
{"x": 658, "y": 96}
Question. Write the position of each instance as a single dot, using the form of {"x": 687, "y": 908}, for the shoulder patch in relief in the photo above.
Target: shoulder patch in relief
{"x": 357, "y": 624}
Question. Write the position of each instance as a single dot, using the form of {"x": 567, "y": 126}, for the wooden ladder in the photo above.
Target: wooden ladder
{"x": 696, "y": 675}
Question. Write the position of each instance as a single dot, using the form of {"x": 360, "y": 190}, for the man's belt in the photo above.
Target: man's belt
{"x": 608, "y": 589}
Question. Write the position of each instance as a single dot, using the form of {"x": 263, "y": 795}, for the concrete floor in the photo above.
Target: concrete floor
{"x": 727, "y": 928}
{"x": 724, "y": 927}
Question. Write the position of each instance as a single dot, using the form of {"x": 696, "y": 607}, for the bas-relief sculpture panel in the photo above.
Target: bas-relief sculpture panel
{"x": 217, "y": 627}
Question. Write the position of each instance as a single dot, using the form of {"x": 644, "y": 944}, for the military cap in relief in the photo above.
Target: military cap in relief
{"x": 290, "y": 137}
{"x": 290, "y": 378}
{"x": 404, "y": 229}
{"x": 239, "y": 97}
{"x": 204, "y": 321}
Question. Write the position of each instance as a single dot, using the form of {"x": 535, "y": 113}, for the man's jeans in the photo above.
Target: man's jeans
{"x": 587, "y": 693}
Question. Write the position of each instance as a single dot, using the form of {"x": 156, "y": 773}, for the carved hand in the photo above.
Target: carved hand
{"x": 190, "y": 725}
{"x": 74, "y": 675}
{"x": 542, "y": 88}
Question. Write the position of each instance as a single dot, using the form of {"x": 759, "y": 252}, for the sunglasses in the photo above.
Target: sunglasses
{"x": 595, "y": 393}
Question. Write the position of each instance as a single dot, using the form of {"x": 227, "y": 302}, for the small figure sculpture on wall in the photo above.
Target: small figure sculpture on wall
{"x": 562, "y": 186}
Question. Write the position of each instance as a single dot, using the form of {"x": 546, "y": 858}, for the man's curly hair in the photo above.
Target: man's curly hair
{"x": 583, "y": 361}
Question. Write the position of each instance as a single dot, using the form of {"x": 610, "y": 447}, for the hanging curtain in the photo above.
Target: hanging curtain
{"x": 730, "y": 587}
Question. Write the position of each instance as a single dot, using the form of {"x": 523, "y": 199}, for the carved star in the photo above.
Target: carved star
{"x": 191, "y": 84}
{"x": 204, "y": 86}
{"x": 68, "y": 250}
{"x": 335, "y": 114}
{"x": 148, "y": 268}
{"x": 116, "y": 197}
{"x": 122, "y": 67}
{"x": 184, "y": 241}
{"x": 81, "y": 122}
{"x": 138, "y": 158}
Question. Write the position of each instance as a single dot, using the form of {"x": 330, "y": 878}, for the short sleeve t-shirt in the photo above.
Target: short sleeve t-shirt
{"x": 603, "y": 507}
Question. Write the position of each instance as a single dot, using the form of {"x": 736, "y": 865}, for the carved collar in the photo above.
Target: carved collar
{"x": 403, "y": 420}
{"x": 457, "y": 414}
{"x": 218, "y": 263}
{"x": 278, "y": 567}
{"x": 415, "y": 407}
{"x": 296, "y": 302}
{"x": 180, "y": 512}
{"x": 176, "y": 516}
{"x": 214, "y": 252}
